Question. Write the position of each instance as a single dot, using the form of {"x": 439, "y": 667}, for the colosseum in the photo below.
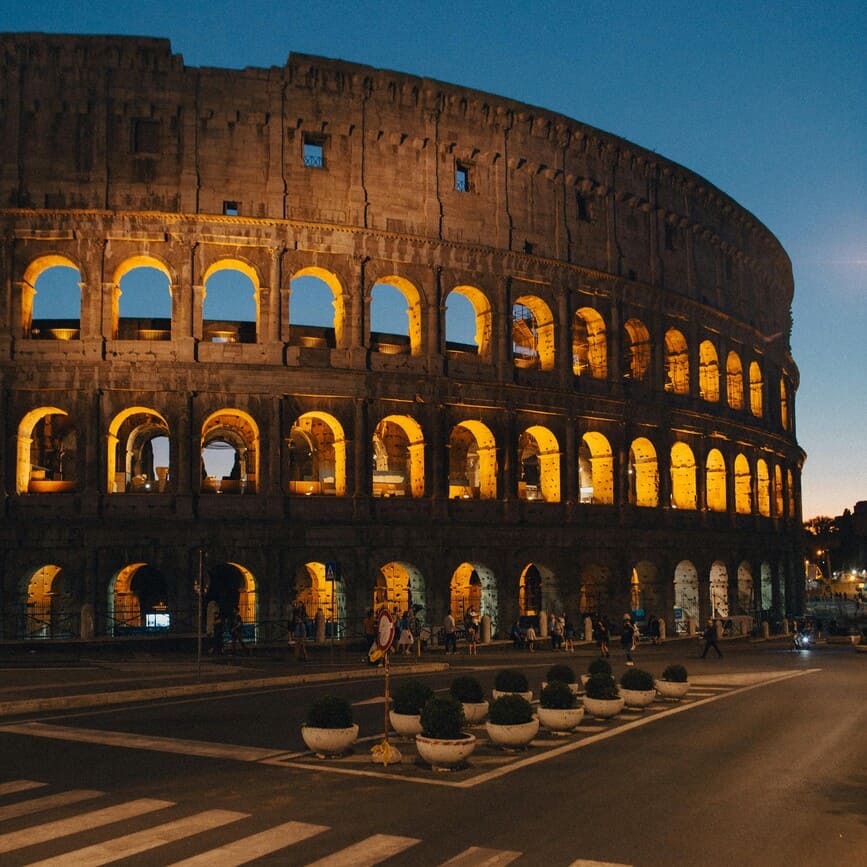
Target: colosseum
{"x": 343, "y": 335}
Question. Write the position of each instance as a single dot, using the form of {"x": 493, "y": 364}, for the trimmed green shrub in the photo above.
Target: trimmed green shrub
{"x": 510, "y": 680}
{"x": 601, "y": 685}
{"x": 558, "y": 696}
{"x": 636, "y": 678}
{"x": 330, "y": 712}
{"x": 599, "y": 666}
{"x": 560, "y": 672}
{"x": 467, "y": 689}
{"x": 675, "y": 674}
{"x": 410, "y": 696}
{"x": 443, "y": 717}
{"x": 510, "y": 710}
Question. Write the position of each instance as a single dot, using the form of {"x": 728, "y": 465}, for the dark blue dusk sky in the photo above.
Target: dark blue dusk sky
{"x": 767, "y": 100}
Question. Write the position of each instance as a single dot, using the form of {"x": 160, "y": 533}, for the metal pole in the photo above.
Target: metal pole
{"x": 199, "y": 622}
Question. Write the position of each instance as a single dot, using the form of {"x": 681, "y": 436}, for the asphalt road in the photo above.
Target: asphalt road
{"x": 763, "y": 764}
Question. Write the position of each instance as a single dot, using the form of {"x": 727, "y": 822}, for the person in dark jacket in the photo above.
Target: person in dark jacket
{"x": 709, "y": 636}
{"x": 627, "y": 638}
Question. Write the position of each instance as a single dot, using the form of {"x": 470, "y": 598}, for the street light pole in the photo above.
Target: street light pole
{"x": 199, "y": 621}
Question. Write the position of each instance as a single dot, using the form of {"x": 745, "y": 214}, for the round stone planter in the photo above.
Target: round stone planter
{"x": 603, "y": 708}
{"x": 407, "y": 725}
{"x": 575, "y": 687}
{"x": 497, "y": 693}
{"x": 637, "y": 698}
{"x": 512, "y": 737}
{"x": 444, "y": 754}
{"x": 671, "y": 689}
{"x": 475, "y": 711}
{"x": 329, "y": 742}
{"x": 561, "y": 719}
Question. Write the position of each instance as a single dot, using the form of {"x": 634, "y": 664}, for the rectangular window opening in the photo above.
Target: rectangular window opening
{"x": 231, "y": 209}
{"x": 462, "y": 178}
{"x": 314, "y": 153}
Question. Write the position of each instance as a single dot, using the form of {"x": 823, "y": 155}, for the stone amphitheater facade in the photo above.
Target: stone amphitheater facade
{"x": 616, "y": 433}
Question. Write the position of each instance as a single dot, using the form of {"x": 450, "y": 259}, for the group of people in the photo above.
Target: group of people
{"x": 215, "y": 628}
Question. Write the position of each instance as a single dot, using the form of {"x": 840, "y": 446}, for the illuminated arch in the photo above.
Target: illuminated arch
{"x": 778, "y": 491}
{"x": 125, "y": 268}
{"x": 472, "y": 462}
{"x": 532, "y": 333}
{"x": 636, "y": 350}
{"x": 339, "y": 299}
{"x": 138, "y": 598}
{"x": 645, "y": 595}
{"x": 232, "y": 585}
{"x": 317, "y": 455}
{"x": 686, "y": 595}
{"x": 473, "y": 587}
{"x": 784, "y": 403}
{"x": 643, "y": 474}
{"x": 398, "y": 586}
{"x": 708, "y": 372}
{"x": 743, "y": 486}
{"x": 49, "y": 607}
{"x": 312, "y": 588}
{"x": 234, "y": 430}
{"x": 231, "y": 331}
{"x": 537, "y": 590}
{"x": 735, "y": 381}
{"x": 767, "y": 592}
{"x": 28, "y": 293}
{"x": 483, "y": 317}
{"x": 589, "y": 344}
{"x": 684, "y": 489}
{"x": 398, "y": 450}
{"x": 595, "y": 469}
{"x": 539, "y": 461}
{"x": 413, "y": 304}
{"x": 756, "y": 389}
{"x": 763, "y": 488}
{"x": 719, "y": 590}
{"x": 715, "y": 481}
{"x": 676, "y": 362}
{"x": 746, "y": 591}
{"x": 125, "y": 446}
{"x": 46, "y": 452}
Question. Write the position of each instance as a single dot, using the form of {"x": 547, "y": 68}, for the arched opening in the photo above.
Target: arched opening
{"x": 643, "y": 474}
{"x": 778, "y": 491}
{"x": 51, "y": 299}
{"x": 138, "y": 453}
{"x": 756, "y": 389}
{"x": 532, "y": 333}
{"x": 232, "y": 587}
{"x": 473, "y": 588}
{"x": 645, "y": 594}
{"x": 313, "y": 588}
{"x": 784, "y": 404}
{"x": 317, "y": 455}
{"x": 537, "y": 593}
{"x": 763, "y": 488}
{"x": 230, "y": 302}
{"x": 684, "y": 491}
{"x": 676, "y": 362}
{"x": 51, "y": 608}
{"x": 398, "y": 458}
{"x": 708, "y": 372}
{"x": 743, "y": 486}
{"x": 715, "y": 481}
{"x": 317, "y": 309}
{"x": 767, "y": 590}
{"x": 47, "y": 453}
{"x": 636, "y": 350}
{"x": 746, "y": 592}
{"x": 595, "y": 469}
{"x": 685, "y": 596}
{"x": 472, "y": 462}
{"x": 719, "y": 590}
{"x": 229, "y": 453}
{"x": 735, "y": 381}
{"x": 395, "y": 317}
{"x": 141, "y": 303}
{"x": 539, "y": 461}
{"x": 469, "y": 322}
{"x": 138, "y": 601}
{"x": 589, "y": 344}
{"x": 399, "y": 587}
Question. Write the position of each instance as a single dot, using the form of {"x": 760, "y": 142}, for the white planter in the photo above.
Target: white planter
{"x": 603, "y": 708}
{"x": 575, "y": 687}
{"x": 441, "y": 753}
{"x": 475, "y": 711}
{"x": 527, "y": 695}
{"x": 671, "y": 689}
{"x": 329, "y": 742}
{"x": 637, "y": 697}
{"x": 512, "y": 736}
{"x": 407, "y": 725}
{"x": 561, "y": 719}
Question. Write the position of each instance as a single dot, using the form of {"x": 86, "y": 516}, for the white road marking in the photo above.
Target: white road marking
{"x": 368, "y": 852}
{"x": 85, "y": 822}
{"x": 142, "y": 841}
{"x": 475, "y": 856}
{"x": 582, "y": 862}
{"x": 47, "y": 802}
{"x": 254, "y": 846}
{"x": 14, "y": 786}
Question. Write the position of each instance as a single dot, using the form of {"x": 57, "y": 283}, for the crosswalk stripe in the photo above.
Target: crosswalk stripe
{"x": 368, "y": 852}
{"x": 15, "y": 786}
{"x": 142, "y": 841}
{"x": 47, "y": 802}
{"x": 254, "y": 846}
{"x": 582, "y": 862}
{"x": 479, "y": 857}
{"x": 64, "y": 827}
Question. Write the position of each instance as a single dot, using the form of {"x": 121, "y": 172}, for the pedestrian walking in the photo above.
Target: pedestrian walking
{"x": 627, "y": 638}
{"x": 710, "y": 639}
{"x": 450, "y": 633}
{"x": 568, "y": 635}
{"x": 300, "y": 640}
{"x": 237, "y": 632}
{"x": 530, "y": 638}
{"x": 603, "y": 637}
